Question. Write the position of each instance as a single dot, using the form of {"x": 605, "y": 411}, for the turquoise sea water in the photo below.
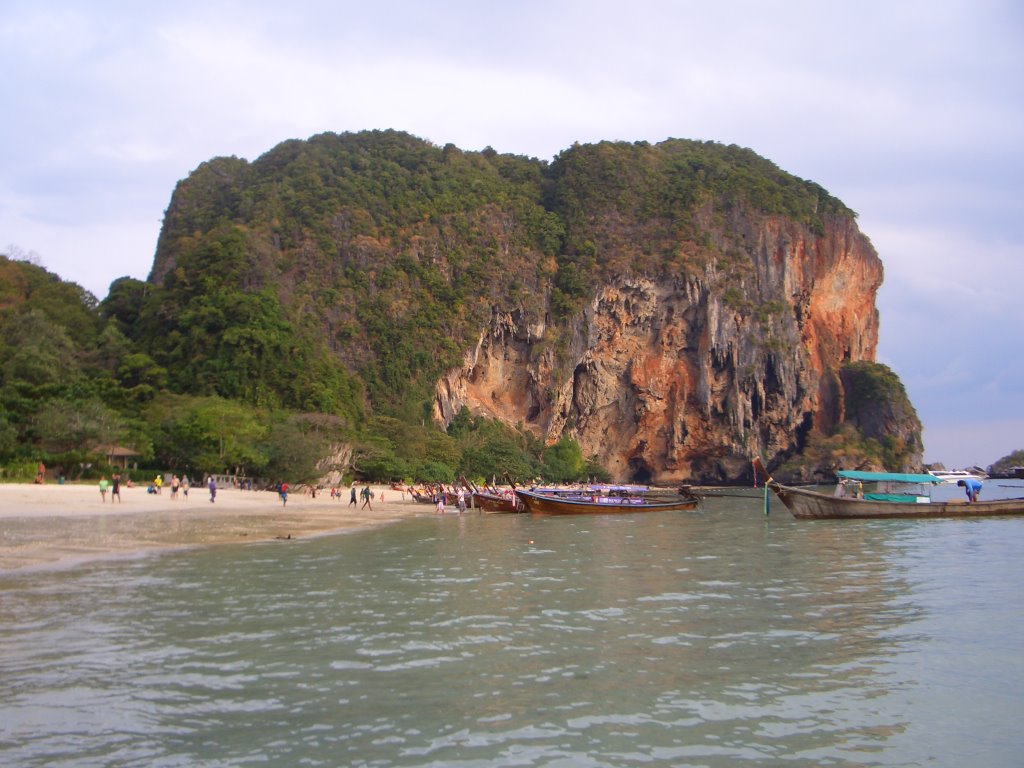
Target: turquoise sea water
{"x": 709, "y": 638}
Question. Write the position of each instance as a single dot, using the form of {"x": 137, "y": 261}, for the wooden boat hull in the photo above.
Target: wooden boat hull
{"x": 547, "y": 504}
{"x": 810, "y": 505}
{"x": 490, "y": 502}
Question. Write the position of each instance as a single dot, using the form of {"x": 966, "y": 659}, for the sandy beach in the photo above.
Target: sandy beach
{"x": 55, "y": 525}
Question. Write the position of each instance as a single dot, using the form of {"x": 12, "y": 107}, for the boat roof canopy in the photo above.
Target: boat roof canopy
{"x": 895, "y": 477}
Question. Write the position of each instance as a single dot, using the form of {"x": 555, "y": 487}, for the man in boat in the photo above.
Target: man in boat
{"x": 853, "y": 489}
{"x": 971, "y": 486}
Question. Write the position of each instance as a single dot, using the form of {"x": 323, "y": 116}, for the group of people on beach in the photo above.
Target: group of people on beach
{"x": 182, "y": 484}
{"x": 460, "y": 501}
{"x": 178, "y": 484}
{"x": 114, "y": 485}
{"x": 367, "y": 495}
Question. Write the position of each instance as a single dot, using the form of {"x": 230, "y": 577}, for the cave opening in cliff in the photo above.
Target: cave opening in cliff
{"x": 640, "y": 472}
{"x": 803, "y": 431}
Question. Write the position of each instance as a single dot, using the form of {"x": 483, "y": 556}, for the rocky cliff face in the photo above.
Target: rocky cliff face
{"x": 675, "y": 308}
{"x": 687, "y": 379}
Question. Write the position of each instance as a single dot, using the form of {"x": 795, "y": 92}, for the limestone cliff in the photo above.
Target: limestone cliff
{"x": 687, "y": 378}
{"x": 675, "y": 308}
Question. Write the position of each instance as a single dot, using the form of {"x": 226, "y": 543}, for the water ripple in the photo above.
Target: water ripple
{"x": 709, "y": 639}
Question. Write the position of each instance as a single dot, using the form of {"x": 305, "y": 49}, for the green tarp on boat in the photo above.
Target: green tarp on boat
{"x": 900, "y": 498}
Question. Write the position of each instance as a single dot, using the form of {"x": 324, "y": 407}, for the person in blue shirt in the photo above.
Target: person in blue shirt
{"x": 971, "y": 486}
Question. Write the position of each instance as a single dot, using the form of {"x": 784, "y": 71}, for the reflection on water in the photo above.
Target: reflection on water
{"x": 707, "y": 638}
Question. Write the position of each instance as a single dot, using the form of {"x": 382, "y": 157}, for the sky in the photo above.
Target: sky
{"x": 912, "y": 113}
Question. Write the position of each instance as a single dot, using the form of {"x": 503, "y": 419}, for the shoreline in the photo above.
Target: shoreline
{"x": 56, "y": 526}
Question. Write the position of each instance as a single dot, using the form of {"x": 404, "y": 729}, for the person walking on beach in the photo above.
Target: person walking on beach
{"x": 212, "y": 485}
{"x": 115, "y": 488}
{"x": 158, "y": 482}
{"x": 103, "y": 487}
{"x": 283, "y": 493}
{"x": 184, "y": 487}
{"x": 352, "y": 499}
{"x": 367, "y": 495}
{"x": 175, "y": 485}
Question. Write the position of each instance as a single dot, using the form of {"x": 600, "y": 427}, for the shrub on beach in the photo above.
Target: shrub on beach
{"x": 19, "y": 471}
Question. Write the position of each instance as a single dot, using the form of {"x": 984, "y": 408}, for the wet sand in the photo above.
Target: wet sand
{"x": 57, "y": 525}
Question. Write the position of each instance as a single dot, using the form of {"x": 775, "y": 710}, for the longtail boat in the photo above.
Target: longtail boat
{"x": 490, "y": 501}
{"x": 896, "y": 495}
{"x": 600, "y": 501}
{"x": 430, "y": 494}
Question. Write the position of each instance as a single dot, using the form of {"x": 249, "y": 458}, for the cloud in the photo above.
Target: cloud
{"x": 950, "y": 321}
{"x": 110, "y": 246}
{"x": 927, "y": 265}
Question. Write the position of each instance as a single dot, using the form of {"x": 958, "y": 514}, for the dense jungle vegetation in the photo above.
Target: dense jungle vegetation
{"x": 308, "y": 301}
{"x": 72, "y": 383}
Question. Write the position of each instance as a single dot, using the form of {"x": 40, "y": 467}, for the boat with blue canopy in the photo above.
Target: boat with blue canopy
{"x": 898, "y": 487}
{"x": 882, "y": 495}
